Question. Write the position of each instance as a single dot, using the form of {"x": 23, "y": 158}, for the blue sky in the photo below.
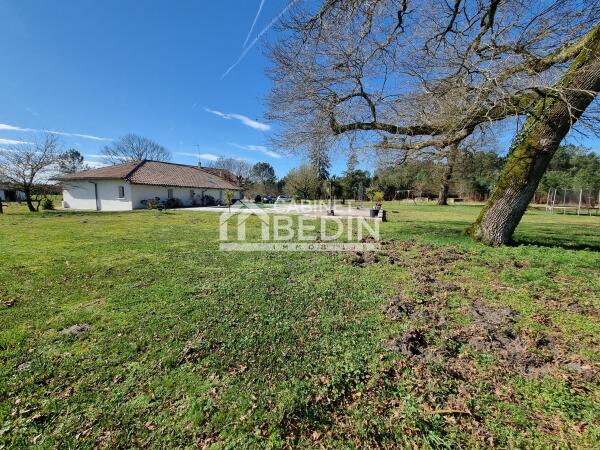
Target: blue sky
{"x": 102, "y": 68}
{"x": 106, "y": 68}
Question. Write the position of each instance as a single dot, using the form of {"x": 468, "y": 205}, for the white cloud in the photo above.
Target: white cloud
{"x": 96, "y": 164}
{"x": 4, "y": 126}
{"x": 257, "y": 148}
{"x": 84, "y": 136}
{"x": 244, "y": 119}
{"x": 205, "y": 156}
{"x": 7, "y": 127}
{"x": 208, "y": 156}
{"x": 12, "y": 142}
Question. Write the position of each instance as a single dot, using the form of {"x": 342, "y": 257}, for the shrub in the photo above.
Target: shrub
{"x": 47, "y": 203}
{"x": 377, "y": 196}
{"x": 209, "y": 200}
{"x": 173, "y": 203}
{"x": 151, "y": 203}
{"x": 257, "y": 199}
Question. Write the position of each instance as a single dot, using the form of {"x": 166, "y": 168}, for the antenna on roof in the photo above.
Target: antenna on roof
{"x": 198, "y": 147}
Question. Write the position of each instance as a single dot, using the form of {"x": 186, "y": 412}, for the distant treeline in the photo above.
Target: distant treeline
{"x": 475, "y": 173}
{"x": 572, "y": 167}
{"x": 473, "y": 177}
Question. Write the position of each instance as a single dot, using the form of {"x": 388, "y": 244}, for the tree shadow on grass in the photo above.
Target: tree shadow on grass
{"x": 552, "y": 243}
{"x": 560, "y": 236}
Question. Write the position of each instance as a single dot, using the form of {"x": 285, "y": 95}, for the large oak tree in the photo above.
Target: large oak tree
{"x": 418, "y": 77}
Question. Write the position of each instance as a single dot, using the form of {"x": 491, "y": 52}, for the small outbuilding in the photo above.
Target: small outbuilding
{"x": 10, "y": 194}
{"x": 131, "y": 185}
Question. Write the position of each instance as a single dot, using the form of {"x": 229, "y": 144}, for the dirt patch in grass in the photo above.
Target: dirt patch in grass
{"x": 76, "y": 329}
{"x": 450, "y": 363}
{"x": 492, "y": 330}
{"x": 566, "y": 304}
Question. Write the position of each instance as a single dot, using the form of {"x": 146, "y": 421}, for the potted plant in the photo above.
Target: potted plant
{"x": 378, "y": 199}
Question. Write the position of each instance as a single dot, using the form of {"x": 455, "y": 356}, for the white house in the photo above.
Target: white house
{"x": 124, "y": 187}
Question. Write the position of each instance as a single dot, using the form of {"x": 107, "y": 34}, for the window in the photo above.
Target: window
{"x": 121, "y": 191}
{"x": 169, "y": 193}
{"x": 192, "y": 193}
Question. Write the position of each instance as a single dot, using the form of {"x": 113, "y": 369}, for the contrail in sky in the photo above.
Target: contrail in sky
{"x": 257, "y": 38}
{"x": 260, "y": 7}
{"x": 4, "y": 126}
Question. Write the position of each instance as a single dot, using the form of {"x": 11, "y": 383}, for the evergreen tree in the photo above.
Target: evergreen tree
{"x": 318, "y": 157}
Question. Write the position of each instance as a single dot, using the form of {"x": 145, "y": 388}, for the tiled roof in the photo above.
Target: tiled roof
{"x": 156, "y": 173}
{"x": 117, "y": 171}
{"x": 223, "y": 173}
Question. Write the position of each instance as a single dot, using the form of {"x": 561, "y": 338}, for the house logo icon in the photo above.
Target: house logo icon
{"x": 295, "y": 229}
{"x": 242, "y": 215}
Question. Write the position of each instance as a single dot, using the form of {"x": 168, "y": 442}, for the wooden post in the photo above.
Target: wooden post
{"x": 331, "y": 205}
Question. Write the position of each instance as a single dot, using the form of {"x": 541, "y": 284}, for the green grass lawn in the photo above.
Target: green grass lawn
{"x": 436, "y": 342}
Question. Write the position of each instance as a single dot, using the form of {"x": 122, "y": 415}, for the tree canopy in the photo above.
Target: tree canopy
{"x": 302, "y": 182}
{"x": 419, "y": 75}
{"x": 238, "y": 168}
{"x": 264, "y": 173}
{"x": 132, "y": 147}
{"x": 417, "y": 78}
{"x": 29, "y": 167}
{"x": 71, "y": 161}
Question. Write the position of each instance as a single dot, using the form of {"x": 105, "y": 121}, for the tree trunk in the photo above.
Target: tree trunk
{"x": 534, "y": 146}
{"x": 447, "y": 176}
{"x": 29, "y": 200}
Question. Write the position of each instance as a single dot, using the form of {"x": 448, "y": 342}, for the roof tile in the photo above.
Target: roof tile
{"x": 156, "y": 173}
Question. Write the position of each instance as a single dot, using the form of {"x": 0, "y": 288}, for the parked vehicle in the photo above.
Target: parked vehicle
{"x": 283, "y": 199}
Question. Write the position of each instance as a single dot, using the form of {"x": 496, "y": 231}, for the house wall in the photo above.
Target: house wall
{"x": 80, "y": 195}
{"x": 144, "y": 192}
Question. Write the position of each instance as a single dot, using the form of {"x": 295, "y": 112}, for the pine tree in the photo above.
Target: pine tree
{"x": 319, "y": 160}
